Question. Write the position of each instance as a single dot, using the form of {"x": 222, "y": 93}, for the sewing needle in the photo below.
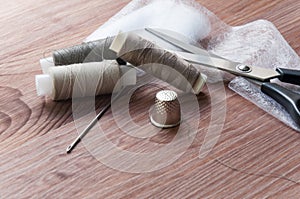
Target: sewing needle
{"x": 123, "y": 90}
{"x": 88, "y": 128}
{"x": 91, "y": 124}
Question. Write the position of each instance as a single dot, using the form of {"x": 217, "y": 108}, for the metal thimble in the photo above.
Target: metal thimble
{"x": 166, "y": 111}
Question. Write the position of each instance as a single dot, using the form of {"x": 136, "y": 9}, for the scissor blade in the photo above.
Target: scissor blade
{"x": 258, "y": 73}
{"x": 203, "y": 57}
{"x": 176, "y": 42}
{"x": 172, "y": 39}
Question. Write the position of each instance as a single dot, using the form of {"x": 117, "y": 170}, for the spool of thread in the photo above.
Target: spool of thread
{"x": 91, "y": 79}
{"x": 94, "y": 51}
{"x": 159, "y": 62}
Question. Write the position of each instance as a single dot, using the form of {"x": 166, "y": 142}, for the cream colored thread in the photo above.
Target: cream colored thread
{"x": 153, "y": 59}
{"x": 91, "y": 79}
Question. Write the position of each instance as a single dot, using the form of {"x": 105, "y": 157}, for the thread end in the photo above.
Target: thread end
{"x": 200, "y": 82}
{"x": 46, "y": 63}
{"x": 118, "y": 42}
{"x": 43, "y": 85}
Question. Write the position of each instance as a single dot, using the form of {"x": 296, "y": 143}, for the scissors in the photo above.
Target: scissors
{"x": 287, "y": 98}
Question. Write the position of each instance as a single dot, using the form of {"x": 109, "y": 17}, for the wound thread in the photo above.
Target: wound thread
{"x": 95, "y": 51}
{"x": 91, "y": 79}
{"x": 157, "y": 61}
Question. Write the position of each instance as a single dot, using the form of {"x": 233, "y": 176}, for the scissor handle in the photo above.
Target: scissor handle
{"x": 288, "y": 99}
{"x": 289, "y": 76}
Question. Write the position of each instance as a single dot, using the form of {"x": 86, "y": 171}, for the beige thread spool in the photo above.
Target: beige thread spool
{"x": 91, "y": 79}
{"x": 159, "y": 62}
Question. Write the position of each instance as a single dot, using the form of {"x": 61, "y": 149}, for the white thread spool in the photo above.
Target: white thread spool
{"x": 92, "y": 79}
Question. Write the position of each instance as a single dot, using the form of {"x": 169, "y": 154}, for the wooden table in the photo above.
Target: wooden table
{"x": 256, "y": 156}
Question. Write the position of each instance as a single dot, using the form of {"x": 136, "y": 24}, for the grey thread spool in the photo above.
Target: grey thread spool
{"x": 166, "y": 111}
{"x": 95, "y": 51}
{"x": 159, "y": 62}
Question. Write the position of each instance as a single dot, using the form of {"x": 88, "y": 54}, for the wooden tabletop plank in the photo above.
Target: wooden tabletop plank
{"x": 256, "y": 156}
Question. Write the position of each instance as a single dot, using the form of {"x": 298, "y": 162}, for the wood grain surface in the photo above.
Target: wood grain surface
{"x": 256, "y": 156}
